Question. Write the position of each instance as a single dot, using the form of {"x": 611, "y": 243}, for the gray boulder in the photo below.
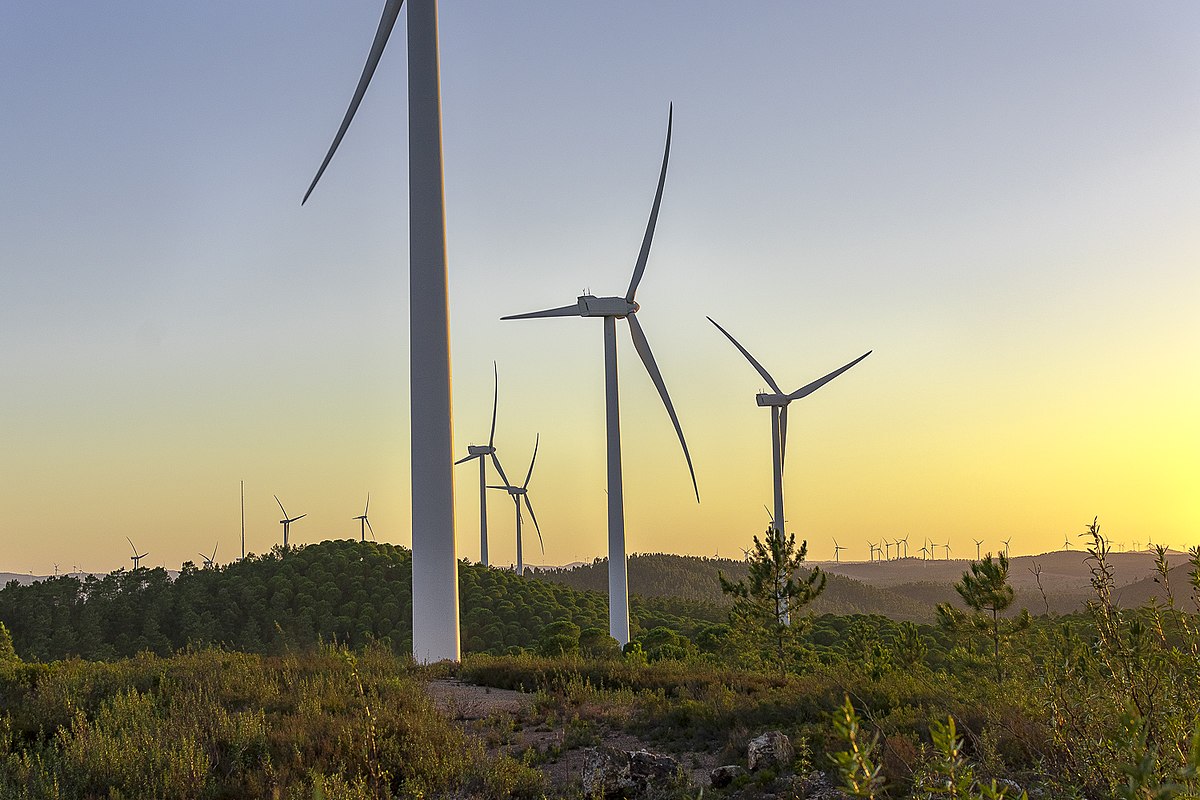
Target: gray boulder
{"x": 612, "y": 773}
{"x": 721, "y": 777}
{"x": 772, "y": 749}
{"x": 817, "y": 786}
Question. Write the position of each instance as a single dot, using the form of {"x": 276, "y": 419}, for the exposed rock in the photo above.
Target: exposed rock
{"x": 817, "y": 786}
{"x": 723, "y": 776}
{"x": 772, "y": 749}
{"x": 612, "y": 773}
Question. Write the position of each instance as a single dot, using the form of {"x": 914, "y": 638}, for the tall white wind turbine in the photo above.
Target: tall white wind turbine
{"x": 481, "y": 452}
{"x": 610, "y": 309}
{"x": 434, "y": 556}
{"x": 777, "y": 400}
{"x": 519, "y": 493}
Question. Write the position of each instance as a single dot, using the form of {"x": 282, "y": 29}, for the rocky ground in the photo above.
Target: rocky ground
{"x": 599, "y": 758}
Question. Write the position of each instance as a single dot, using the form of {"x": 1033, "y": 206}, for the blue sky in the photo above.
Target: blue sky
{"x": 999, "y": 199}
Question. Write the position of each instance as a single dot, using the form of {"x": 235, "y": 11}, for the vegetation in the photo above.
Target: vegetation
{"x": 1099, "y": 704}
{"x": 768, "y": 604}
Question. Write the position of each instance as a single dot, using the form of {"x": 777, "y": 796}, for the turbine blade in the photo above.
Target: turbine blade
{"x": 533, "y": 517}
{"x": 761, "y": 369}
{"x": 281, "y": 508}
{"x": 302, "y": 516}
{"x": 562, "y": 311}
{"x": 390, "y": 12}
{"x": 500, "y": 469}
{"x": 367, "y": 507}
{"x": 805, "y": 391}
{"x": 640, "y": 267}
{"x": 372, "y": 530}
{"x": 782, "y": 436}
{"x": 505, "y": 488}
{"x": 529, "y": 474}
{"x": 131, "y": 545}
{"x": 495, "y": 402}
{"x": 465, "y": 460}
{"x": 643, "y": 349}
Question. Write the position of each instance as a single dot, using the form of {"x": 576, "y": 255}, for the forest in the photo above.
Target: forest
{"x": 286, "y": 675}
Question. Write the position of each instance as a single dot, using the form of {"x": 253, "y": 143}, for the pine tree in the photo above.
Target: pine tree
{"x": 986, "y": 590}
{"x": 7, "y": 653}
{"x": 768, "y": 602}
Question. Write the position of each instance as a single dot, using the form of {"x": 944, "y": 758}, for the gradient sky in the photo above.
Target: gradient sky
{"x": 1000, "y": 199}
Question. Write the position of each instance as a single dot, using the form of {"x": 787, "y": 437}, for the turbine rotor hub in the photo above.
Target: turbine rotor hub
{"x": 592, "y": 306}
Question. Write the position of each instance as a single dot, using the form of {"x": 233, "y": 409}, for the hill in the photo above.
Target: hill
{"x": 335, "y": 591}
{"x": 694, "y": 578}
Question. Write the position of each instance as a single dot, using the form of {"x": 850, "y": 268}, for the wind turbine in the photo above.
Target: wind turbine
{"x": 777, "y": 400}
{"x": 924, "y": 551}
{"x": 135, "y": 558}
{"x": 947, "y": 547}
{"x": 887, "y": 550}
{"x": 904, "y": 542}
{"x": 1006, "y": 541}
{"x": 286, "y": 522}
{"x": 873, "y": 547}
{"x": 837, "y": 548}
{"x": 933, "y": 546}
{"x": 978, "y": 542}
{"x": 364, "y": 524}
{"x": 1067, "y": 543}
{"x": 208, "y": 560}
{"x": 610, "y": 309}
{"x": 480, "y": 451}
{"x": 434, "y": 555}
{"x": 519, "y": 493}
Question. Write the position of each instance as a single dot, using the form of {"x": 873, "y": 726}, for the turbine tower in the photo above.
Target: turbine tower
{"x": 364, "y": 524}
{"x": 286, "y": 522}
{"x": 519, "y": 493}
{"x": 208, "y": 560}
{"x": 434, "y": 554}
{"x": 610, "y": 309}
{"x": 778, "y": 400}
{"x": 136, "y": 558}
{"x": 480, "y": 451}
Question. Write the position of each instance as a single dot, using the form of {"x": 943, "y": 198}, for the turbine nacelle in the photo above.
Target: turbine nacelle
{"x": 480, "y": 449}
{"x": 766, "y": 399}
{"x": 619, "y": 307}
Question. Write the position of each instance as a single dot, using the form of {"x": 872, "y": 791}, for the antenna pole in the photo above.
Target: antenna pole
{"x": 243, "y": 520}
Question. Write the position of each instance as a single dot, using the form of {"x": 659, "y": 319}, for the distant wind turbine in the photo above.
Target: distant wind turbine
{"x": 1067, "y": 543}
{"x": 481, "y": 452}
{"x": 874, "y": 547}
{"x": 286, "y": 522}
{"x": 924, "y": 551}
{"x": 519, "y": 493}
{"x": 777, "y": 400}
{"x": 610, "y": 309}
{"x": 837, "y": 548}
{"x": 434, "y": 555}
{"x": 1006, "y": 541}
{"x": 208, "y": 560}
{"x": 947, "y": 548}
{"x": 978, "y": 543}
{"x": 364, "y": 524}
{"x": 904, "y": 543}
{"x": 136, "y": 558}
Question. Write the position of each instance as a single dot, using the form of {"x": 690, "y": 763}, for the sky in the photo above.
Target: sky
{"x": 999, "y": 200}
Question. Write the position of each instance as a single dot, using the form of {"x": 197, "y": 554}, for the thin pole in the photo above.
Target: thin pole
{"x": 779, "y": 522}
{"x": 483, "y": 548}
{"x": 243, "y": 520}
{"x": 618, "y": 578}
{"x": 434, "y": 556}
{"x": 520, "y": 552}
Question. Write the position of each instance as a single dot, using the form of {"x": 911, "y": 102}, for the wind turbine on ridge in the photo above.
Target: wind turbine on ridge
{"x": 610, "y": 309}
{"x": 136, "y": 558}
{"x": 480, "y": 451}
{"x": 977, "y": 542}
{"x": 778, "y": 400}
{"x": 364, "y": 524}
{"x": 208, "y": 560}
{"x": 519, "y": 493}
{"x": 434, "y": 554}
{"x": 286, "y": 522}
{"x": 837, "y": 548}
